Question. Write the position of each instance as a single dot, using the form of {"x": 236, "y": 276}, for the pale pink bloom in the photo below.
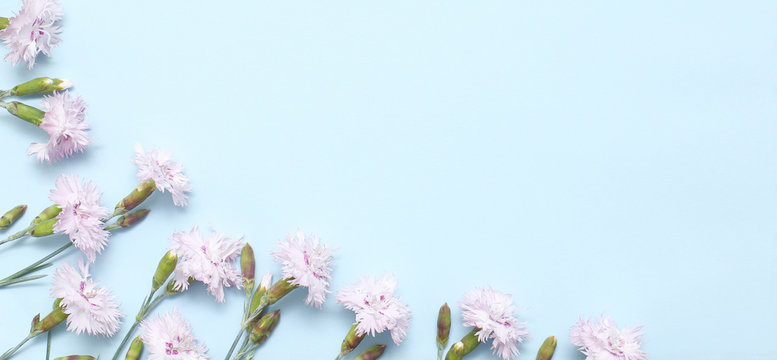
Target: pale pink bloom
{"x": 207, "y": 259}
{"x": 168, "y": 336}
{"x": 493, "y": 313}
{"x": 65, "y": 122}
{"x": 168, "y": 175}
{"x": 90, "y": 308}
{"x": 376, "y": 306}
{"x": 32, "y": 31}
{"x": 82, "y": 214}
{"x": 603, "y": 341}
{"x": 306, "y": 262}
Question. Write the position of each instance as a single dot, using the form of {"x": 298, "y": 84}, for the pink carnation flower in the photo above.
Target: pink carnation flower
{"x": 32, "y": 31}
{"x": 306, "y": 262}
{"x": 377, "y": 308}
{"x": 81, "y": 214}
{"x": 169, "y": 336}
{"x": 493, "y": 313}
{"x": 207, "y": 259}
{"x": 603, "y": 341}
{"x": 90, "y": 308}
{"x": 66, "y": 125}
{"x": 168, "y": 175}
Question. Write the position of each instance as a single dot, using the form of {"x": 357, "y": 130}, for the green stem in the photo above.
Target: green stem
{"x": 11, "y": 351}
{"x": 34, "y": 266}
{"x": 126, "y": 339}
{"x": 16, "y": 236}
{"x": 20, "y": 280}
{"x": 144, "y": 310}
{"x": 48, "y": 345}
{"x": 234, "y": 343}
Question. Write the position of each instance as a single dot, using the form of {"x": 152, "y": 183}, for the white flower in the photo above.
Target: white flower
{"x": 493, "y": 313}
{"x": 377, "y": 308}
{"x": 169, "y": 336}
{"x": 81, "y": 214}
{"x": 603, "y": 340}
{"x": 168, "y": 175}
{"x": 207, "y": 259}
{"x": 32, "y": 31}
{"x": 306, "y": 262}
{"x": 90, "y": 308}
{"x": 65, "y": 123}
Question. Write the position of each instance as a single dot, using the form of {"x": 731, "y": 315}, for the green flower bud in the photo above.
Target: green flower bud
{"x": 465, "y": 346}
{"x": 164, "y": 269}
{"x": 4, "y": 22}
{"x": 278, "y": 290}
{"x": 351, "y": 341}
{"x": 76, "y": 357}
{"x": 259, "y": 294}
{"x": 52, "y": 319}
{"x": 372, "y": 353}
{"x": 136, "y": 197}
{"x": 135, "y": 348}
{"x": 264, "y": 327}
{"x": 547, "y": 349}
{"x": 11, "y": 216}
{"x": 41, "y": 85}
{"x": 247, "y": 267}
{"x": 130, "y": 219}
{"x": 48, "y": 213}
{"x": 45, "y": 228}
{"x": 443, "y": 326}
{"x": 25, "y": 112}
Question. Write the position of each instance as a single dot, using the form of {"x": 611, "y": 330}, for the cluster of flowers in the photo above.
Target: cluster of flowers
{"x": 87, "y": 307}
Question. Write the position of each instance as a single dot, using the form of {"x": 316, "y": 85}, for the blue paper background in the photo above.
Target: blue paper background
{"x": 588, "y": 157}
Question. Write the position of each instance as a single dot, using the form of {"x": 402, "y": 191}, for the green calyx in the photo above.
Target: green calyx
{"x": 45, "y": 228}
{"x": 351, "y": 341}
{"x": 264, "y": 327}
{"x": 248, "y": 267}
{"x": 27, "y": 113}
{"x": 136, "y": 197}
{"x": 443, "y": 326}
{"x": 4, "y": 22}
{"x": 51, "y": 320}
{"x": 547, "y": 349}
{"x": 465, "y": 346}
{"x": 164, "y": 269}
{"x": 278, "y": 290}
{"x": 41, "y": 85}
{"x": 48, "y": 213}
{"x": 130, "y": 219}
{"x": 372, "y": 353}
{"x": 11, "y": 216}
{"x": 135, "y": 348}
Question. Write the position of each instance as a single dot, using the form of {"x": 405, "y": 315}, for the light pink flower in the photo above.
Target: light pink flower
{"x": 207, "y": 259}
{"x": 376, "y": 306}
{"x": 32, "y": 31}
{"x": 169, "y": 336}
{"x": 493, "y": 313}
{"x": 166, "y": 173}
{"x": 603, "y": 341}
{"x": 81, "y": 214}
{"x": 306, "y": 262}
{"x": 90, "y": 308}
{"x": 66, "y": 125}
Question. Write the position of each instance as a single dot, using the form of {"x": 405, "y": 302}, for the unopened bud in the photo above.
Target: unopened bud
{"x": 278, "y": 290}
{"x": 41, "y": 85}
{"x": 164, "y": 269}
{"x": 52, "y": 319}
{"x": 35, "y": 321}
{"x": 443, "y": 326}
{"x": 76, "y": 357}
{"x": 4, "y": 22}
{"x": 247, "y": 267}
{"x": 25, "y": 112}
{"x": 136, "y": 197}
{"x": 135, "y": 348}
{"x": 547, "y": 349}
{"x": 264, "y": 327}
{"x": 133, "y": 218}
{"x": 260, "y": 291}
{"x": 48, "y": 213}
{"x": 11, "y": 216}
{"x": 351, "y": 341}
{"x": 465, "y": 346}
{"x": 45, "y": 228}
{"x": 372, "y": 353}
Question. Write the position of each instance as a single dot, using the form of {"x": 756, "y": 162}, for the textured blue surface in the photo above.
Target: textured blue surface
{"x": 588, "y": 157}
